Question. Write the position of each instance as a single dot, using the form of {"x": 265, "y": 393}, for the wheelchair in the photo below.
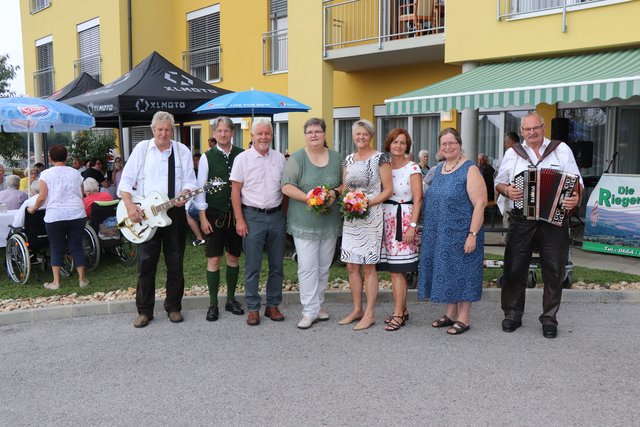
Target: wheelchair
{"x": 103, "y": 226}
{"x": 28, "y": 246}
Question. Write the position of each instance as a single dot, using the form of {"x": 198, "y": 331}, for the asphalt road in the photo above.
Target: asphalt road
{"x": 101, "y": 371}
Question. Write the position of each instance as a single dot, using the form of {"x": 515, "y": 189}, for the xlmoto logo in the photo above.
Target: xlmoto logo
{"x": 143, "y": 105}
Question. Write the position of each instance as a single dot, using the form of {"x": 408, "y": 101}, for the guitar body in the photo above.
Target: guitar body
{"x": 143, "y": 231}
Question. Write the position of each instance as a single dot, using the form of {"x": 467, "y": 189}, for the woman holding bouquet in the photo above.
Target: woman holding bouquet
{"x": 312, "y": 179}
{"x": 399, "y": 246}
{"x": 368, "y": 171}
{"x": 450, "y": 269}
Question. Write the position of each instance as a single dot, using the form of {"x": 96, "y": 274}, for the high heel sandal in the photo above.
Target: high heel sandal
{"x": 396, "y": 323}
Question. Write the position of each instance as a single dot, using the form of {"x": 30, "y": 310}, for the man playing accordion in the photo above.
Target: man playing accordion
{"x": 525, "y": 235}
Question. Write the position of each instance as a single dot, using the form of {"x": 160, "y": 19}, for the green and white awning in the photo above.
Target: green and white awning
{"x": 566, "y": 79}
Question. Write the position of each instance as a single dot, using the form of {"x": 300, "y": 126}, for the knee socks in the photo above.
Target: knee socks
{"x": 232, "y": 281}
{"x": 213, "y": 280}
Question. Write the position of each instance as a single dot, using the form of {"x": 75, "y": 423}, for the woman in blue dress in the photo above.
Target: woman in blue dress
{"x": 452, "y": 249}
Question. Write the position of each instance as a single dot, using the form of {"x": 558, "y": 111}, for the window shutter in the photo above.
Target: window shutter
{"x": 277, "y": 9}
{"x": 89, "y": 42}
{"x": 45, "y": 56}
{"x": 204, "y": 32}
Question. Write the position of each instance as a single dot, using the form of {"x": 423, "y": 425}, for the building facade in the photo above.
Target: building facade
{"x": 345, "y": 58}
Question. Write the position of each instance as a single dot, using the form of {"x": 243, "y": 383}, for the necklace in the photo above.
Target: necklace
{"x": 452, "y": 167}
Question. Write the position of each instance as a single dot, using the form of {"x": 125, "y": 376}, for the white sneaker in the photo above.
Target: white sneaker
{"x": 306, "y": 322}
{"x": 323, "y": 315}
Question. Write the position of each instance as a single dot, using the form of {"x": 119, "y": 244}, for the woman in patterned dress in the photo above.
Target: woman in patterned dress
{"x": 369, "y": 171}
{"x": 399, "y": 246}
{"x": 452, "y": 249}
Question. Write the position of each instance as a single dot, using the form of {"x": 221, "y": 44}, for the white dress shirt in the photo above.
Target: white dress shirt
{"x": 148, "y": 170}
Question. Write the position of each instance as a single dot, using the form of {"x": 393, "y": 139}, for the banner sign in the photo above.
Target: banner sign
{"x": 613, "y": 216}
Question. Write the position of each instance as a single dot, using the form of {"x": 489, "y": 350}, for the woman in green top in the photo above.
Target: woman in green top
{"x": 314, "y": 234}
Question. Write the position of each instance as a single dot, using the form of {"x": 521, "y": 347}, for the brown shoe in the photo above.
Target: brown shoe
{"x": 274, "y": 314}
{"x": 142, "y": 320}
{"x": 253, "y": 319}
{"x": 175, "y": 317}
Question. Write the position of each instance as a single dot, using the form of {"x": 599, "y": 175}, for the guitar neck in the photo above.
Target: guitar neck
{"x": 181, "y": 198}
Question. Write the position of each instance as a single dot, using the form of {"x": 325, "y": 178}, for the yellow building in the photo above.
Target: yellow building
{"x": 346, "y": 58}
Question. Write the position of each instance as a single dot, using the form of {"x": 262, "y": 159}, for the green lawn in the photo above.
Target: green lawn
{"x": 112, "y": 275}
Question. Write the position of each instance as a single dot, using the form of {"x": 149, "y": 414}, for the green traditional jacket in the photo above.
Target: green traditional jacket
{"x": 220, "y": 167}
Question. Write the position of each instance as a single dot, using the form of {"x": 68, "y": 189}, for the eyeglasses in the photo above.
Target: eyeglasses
{"x": 314, "y": 132}
{"x": 527, "y": 130}
{"x": 448, "y": 144}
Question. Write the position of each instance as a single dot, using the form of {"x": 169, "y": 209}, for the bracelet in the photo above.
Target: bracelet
{"x": 336, "y": 193}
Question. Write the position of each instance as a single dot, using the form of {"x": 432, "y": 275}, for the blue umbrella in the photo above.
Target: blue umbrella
{"x": 251, "y": 102}
{"x": 25, "y": 114}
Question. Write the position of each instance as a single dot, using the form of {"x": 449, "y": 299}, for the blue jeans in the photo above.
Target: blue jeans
{"x": 264, "y": 230}
{"x": 66, "y": 233}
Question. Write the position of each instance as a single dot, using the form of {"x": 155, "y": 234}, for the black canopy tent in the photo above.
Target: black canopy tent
{"x": 81, "y": 84}
{"x": 153, "y": 85}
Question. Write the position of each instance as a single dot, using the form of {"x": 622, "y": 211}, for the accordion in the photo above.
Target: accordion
{"x": 543, "y": 193}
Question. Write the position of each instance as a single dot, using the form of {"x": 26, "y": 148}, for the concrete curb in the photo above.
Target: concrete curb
{"x": 289, "y": 298}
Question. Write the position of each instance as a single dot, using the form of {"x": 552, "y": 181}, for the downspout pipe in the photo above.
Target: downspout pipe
{"x": 130, "y": 28}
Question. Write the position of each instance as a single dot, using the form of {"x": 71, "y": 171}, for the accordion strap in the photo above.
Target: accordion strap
{"x": 520, "y": 151}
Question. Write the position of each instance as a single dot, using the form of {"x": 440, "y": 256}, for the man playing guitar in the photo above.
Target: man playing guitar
{"x": 166, "y": 166}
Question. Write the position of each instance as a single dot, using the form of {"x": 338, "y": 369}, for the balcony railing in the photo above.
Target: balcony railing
{"x": 38, "y": 5}
{"x": 89, "y": 64}
{"x": 275, "y": 51}
{"x": 517, "y": 8}
{"x": 203, "y": 63}
{"x": 43, "y": 82}
{"x": 353, "y": 22}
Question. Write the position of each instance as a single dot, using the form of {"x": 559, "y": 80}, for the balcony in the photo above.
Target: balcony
{"x": 89, "y": 64}
{"x": 43, "y": 82}
{"x": 203, "y": 63}
{"x": 360, "y": 34}
{"x": 37, "y": 5}
{"x": 275, "y": 51}
{"x": 508, "y": 9}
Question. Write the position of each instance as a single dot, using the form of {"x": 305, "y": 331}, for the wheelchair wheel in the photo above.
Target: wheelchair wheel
{"x": 91, "y": 246}
{"x": 126, "y": 251}
{"x": 17, "y": 259}
{"x": 66, "y": 269}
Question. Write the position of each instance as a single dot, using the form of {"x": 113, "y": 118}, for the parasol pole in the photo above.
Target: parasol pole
{"x": 28, "y": 161}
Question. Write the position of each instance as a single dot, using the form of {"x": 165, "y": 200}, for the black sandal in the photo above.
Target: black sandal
{"x": 395, "y": 324}
{"x": 458, "y": 328}
{"x": 442, "y": 322}
{"x": 405, "y": 315}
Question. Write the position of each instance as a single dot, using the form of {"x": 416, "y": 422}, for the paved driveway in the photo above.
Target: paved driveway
{"x": 101, "y": 371}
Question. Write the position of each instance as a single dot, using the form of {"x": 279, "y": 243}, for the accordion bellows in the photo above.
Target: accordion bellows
{"x": 543, "y": 193}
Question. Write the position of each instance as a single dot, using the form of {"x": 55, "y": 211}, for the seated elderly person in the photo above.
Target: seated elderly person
{"x": 30, "y": 175}
{"x": 3, "y": 184}
{"x": 18, "y": 218}
{"x": 93, "y": 194}
{"x": 13, "y": 197}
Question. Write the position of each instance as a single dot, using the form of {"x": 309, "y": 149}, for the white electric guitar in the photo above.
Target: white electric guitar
{"x": 154, "y": 212}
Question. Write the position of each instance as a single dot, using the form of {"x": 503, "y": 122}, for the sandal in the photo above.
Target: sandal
{"x": 458, "y": 328}
{"x": 396, "y": 323}
{"x": 405, "y": 316}
{"x": 442, "y": 322}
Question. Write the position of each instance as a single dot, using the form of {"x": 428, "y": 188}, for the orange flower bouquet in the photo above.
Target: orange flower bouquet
{"x": 318, "y": 200}
{"x": 354, "y": 205}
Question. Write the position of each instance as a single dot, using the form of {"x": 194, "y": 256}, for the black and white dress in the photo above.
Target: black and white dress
{"x": 362, "y": 238}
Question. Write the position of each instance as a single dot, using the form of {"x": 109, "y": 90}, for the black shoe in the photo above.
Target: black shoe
{"x": 549, "y": 331}
{"x": 509, "y": 325}
{"x": 234, "y": 307}
{"x": 213, "y": 313}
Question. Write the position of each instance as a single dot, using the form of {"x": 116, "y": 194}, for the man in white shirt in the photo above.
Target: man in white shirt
{"x": 260, "y": 216}
{"x": 551, "y": 241}
{"x": 166, "y": 166}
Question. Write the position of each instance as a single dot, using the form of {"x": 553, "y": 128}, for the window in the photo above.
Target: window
{"x": 88, "y": 49}
{"x": 43, "y": 76}
{"x": 196, "y": 133}
{"x": 344, "y": 118}
{"x": 425, "y": 137}
{"x": 203, "y": 57}
{"x": 590, "y": 124}
{"x": 275, "y": 42}
{"x": 628, "y": 137}
{"x": 140, "y": 133}
{"x": 38, "y": 5}
{"x": 386, "y": 124}
{"x": 281, "y": 137}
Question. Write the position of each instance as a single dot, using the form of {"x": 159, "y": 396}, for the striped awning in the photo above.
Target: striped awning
{"x": 566, "y": 79}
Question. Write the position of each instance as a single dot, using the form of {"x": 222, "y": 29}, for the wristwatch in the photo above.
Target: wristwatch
{"x": 413, "y": 224}
{"x": 474, "y": 234}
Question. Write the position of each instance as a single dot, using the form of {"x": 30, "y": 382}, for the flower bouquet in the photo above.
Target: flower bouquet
{"x": 318, "y": 200}
{"x": 354, "y": 205}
